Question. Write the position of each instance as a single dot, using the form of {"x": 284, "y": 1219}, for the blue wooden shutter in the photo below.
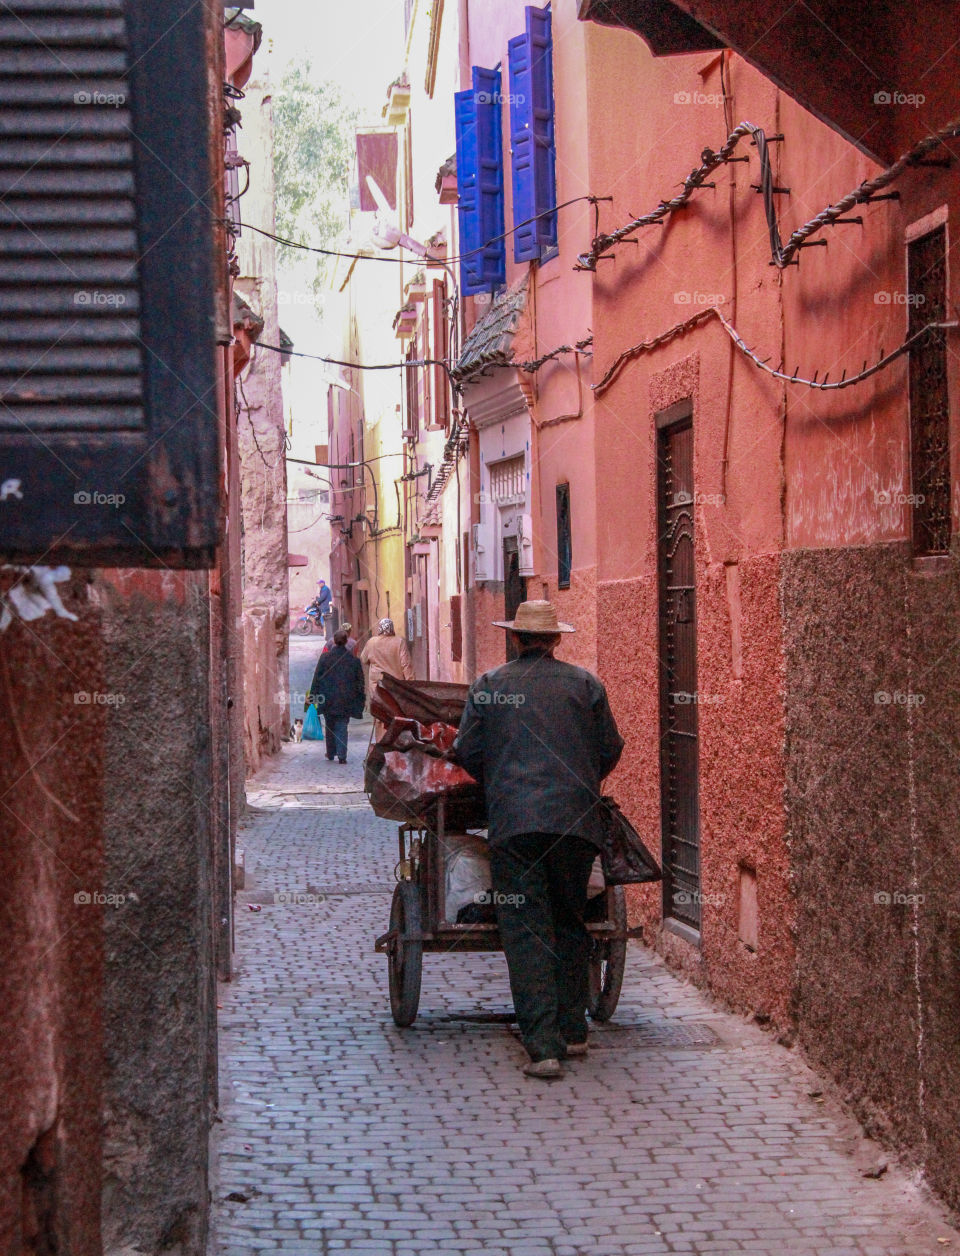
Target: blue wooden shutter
{"x": 480, "y": 183}
{"x": 109, "y": 447}
{"x": 468, "y": 205}
{"x": 533, "y": 148}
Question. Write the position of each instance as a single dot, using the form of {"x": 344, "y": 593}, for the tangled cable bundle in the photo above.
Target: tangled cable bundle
{"x": 780, "y": 254}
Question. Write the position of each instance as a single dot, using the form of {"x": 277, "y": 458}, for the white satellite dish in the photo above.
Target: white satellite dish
{"x": 387, "y": 234}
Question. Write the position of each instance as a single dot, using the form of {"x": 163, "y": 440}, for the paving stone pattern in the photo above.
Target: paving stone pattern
{"x": 685, "y": 1130}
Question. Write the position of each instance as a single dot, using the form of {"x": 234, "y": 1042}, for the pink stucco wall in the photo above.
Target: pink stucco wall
{"x": 648, "y": 288}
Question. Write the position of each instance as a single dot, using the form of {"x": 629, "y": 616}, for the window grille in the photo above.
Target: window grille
{"x": 508, "y": 479}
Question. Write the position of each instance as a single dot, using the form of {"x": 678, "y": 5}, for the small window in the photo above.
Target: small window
{"x": 456, "y": 628}
{"x": 929, "y": 401}
{"x": 412, "y": 429}
{"x": 564, "y": 537}
{"x": 440, "y": 352}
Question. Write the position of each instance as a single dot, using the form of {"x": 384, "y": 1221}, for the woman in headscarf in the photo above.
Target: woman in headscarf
{"x": 385, "y": 653}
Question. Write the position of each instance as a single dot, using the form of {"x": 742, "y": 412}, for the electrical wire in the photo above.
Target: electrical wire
{"x": 357, "y": 366}
{"x": 403, "y": 261}
{"x": 823, "y": 385}
{"x": 781, "y": 254}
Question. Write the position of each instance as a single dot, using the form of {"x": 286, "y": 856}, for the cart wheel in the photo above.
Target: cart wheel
{"x": 608, "y": 961}
{"x": 405, "y": 960}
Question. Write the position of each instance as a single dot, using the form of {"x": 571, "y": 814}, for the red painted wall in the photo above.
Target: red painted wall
{"x": 713, "y": 253}
{"x": 50, "y": 851}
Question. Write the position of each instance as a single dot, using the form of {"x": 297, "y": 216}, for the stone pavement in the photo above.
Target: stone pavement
{"x": 686, "y": 1130}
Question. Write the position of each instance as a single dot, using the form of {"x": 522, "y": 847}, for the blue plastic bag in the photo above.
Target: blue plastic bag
{"x": 312, "y": 728}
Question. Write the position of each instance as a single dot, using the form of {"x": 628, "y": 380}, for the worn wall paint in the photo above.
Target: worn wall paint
{"x": 872, "y": 725}
{"x": 159, "y": 1002}
{"x": 51, "y": 763}
{"x": 262, "y": 446}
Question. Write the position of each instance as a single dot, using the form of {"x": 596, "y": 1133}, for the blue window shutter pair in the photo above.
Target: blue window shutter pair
{"x": 534, "y": 154}
{"x": 483, "y": 253}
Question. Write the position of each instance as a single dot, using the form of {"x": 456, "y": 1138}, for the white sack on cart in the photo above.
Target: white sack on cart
{"x": 596, "y": 885}
{"x": 466, "y": 871}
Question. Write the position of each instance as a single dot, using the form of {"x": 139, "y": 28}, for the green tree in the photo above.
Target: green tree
{"x": 312, "y": 158}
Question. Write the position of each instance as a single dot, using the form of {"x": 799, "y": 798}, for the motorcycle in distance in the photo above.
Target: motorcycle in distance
{"x": 311, "y": 620}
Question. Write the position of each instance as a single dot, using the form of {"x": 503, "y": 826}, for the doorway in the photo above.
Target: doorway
{"x": 514, "y": 586}
{"x": 679, "y": 746}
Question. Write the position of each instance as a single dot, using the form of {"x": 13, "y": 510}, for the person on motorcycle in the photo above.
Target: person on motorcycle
{"x": 323, "y": 599}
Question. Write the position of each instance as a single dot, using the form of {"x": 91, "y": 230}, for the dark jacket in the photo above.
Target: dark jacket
{"x": 540, "y": 737}
{"x": 337, "y": 687}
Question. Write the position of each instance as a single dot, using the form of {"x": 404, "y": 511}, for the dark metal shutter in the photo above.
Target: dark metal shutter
{"x": 456, "y": 627}
{"x": 108, "y": 195}
{"x": 679, "y": 740}
{"x": 564, "y": 537}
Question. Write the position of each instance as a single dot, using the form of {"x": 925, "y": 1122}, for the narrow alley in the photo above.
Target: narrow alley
{"x": 685, "y": 1130}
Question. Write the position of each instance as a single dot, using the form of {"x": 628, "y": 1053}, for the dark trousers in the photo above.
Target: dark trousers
{"x": 336, "y": 732}
{"x": 540, "y": 892}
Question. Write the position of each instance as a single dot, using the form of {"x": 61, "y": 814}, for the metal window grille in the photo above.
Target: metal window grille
{"x": 508, "y": 479}
{"x": 929, "y": 402}
{"x": 231, "y": 176}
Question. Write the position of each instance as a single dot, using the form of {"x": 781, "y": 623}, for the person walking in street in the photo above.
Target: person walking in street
{"x": 386, "y": 653}
{"x": 539, "y": 735}
{"x": 351, "y": 639}
{"x": 337, "y": 689}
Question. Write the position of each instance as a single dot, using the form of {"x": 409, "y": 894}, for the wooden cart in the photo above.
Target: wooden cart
{"x": 418, "y": 923}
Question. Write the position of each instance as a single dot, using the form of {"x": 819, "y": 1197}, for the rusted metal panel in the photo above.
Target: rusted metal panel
{"x": 679, "y": 749}
{"x": 108, "y": 375}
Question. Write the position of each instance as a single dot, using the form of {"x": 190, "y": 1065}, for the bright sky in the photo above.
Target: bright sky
{"x": 358, "y": 44}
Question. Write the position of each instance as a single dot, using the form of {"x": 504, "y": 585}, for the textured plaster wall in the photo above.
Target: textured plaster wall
{"x": 262, "y": 445}
{"x": 872, "y": 804}
{"x": 490, "y": 641}
{"x": 51, "y": 759}
{"x": 577, "y": 606}
{"x": 160, "y": 812}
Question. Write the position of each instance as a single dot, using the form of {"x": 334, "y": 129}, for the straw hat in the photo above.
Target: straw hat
{"x": 538, "y": 616}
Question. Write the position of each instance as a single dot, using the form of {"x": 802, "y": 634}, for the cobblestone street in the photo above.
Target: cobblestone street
{"x": 685, "y": 1130}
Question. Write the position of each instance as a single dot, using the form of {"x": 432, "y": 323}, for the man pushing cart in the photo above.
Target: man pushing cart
{"x": 536, "y": 738}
